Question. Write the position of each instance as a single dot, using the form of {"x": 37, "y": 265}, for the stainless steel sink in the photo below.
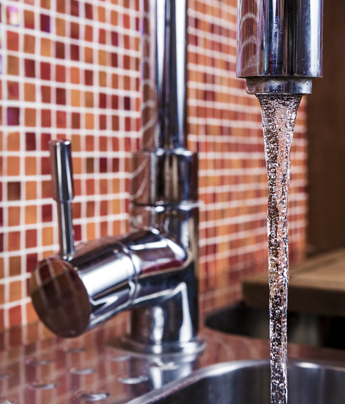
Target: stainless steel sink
{"x": 247, "y": 382}
{"x": 303, "y": 328}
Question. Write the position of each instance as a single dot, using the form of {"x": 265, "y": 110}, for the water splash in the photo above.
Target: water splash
{"x": 278, "y": 118}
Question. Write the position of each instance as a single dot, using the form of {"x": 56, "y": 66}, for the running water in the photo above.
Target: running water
{"x": 278, "y": 118}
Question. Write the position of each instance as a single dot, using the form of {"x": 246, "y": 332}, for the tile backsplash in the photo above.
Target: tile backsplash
{"x": 71, "y": 69}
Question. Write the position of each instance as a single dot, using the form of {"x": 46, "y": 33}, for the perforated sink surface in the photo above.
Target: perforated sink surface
{"x": 90, "y": 369}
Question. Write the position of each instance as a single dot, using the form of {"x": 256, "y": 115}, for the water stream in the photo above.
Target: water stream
{"x": 278, "y": 118}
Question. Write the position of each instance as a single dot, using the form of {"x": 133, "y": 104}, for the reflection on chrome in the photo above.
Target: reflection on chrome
{"x": 153, "y": 270}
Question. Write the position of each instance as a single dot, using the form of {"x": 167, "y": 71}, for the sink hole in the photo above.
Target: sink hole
{"x": 93, "y": 396}
{"x": 132, "y": 380}
{"x": 43, "y": 386}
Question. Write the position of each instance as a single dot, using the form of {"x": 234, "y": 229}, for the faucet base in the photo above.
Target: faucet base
{"x": 279, "y": 85}
{"x": 125, "y": 343}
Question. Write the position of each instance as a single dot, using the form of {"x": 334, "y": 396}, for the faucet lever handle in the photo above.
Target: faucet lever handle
{"x": 61, "y": 169}
{"x": 63, "y": 192}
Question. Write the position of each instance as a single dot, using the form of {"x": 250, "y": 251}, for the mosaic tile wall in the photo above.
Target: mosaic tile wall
{"x": 70, "y": 69}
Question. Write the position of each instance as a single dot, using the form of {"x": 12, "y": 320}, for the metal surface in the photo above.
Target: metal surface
{"x": 248, "y": 383}
{"x": 153, "y": 270}
{"x": 89, "y": 369}
{"x": 279, "y": 39}
{"x": 303, "y": 328}
{"x": 165, "y": 177}
{"x": 164, "y": 172}
{"x": 63, "y": 192}
{"x": 144, "y": 269}
{"x": 164, "y": 68}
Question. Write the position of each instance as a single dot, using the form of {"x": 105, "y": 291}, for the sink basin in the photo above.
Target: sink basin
{"x": 247, "y": 382}
{"x": 303, "y": 328}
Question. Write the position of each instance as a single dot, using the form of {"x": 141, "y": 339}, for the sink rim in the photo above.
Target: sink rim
{"x": 222, "y": 368}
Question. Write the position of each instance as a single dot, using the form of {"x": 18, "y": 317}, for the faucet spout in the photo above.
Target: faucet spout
{"x": 279, "y": 45}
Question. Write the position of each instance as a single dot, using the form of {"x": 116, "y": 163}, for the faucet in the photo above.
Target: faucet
{"x": 279, "y": 48}
{"x": 152, "y": 271}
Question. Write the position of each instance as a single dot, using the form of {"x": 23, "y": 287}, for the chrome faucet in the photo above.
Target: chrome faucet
{"x": 279, "y": 48}
{"x": 153, "y": 270}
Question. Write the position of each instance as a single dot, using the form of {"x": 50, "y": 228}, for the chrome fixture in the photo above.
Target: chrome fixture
{"x": 153, "y": 270}
{"x": 279, "y": 46}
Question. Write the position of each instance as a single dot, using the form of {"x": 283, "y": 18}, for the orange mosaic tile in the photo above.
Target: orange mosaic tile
{"x": 70, "y": 69}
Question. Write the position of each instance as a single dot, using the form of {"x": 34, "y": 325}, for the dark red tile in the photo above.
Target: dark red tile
{"x": 29, "y": 67}
{"x": 76, "y": 208}
{"x": 13, "y": 116}
{"x": 75, "y": 8}
{"x": 13, "y": 90}
{"x": 74, "y": 30}
{"x": 45, "y": 165}
{"x": 88, "y": 11}
{"x": 45, "y": 139}
{"x": 61, "y": 96}
{"x": 46, "y": 94}
{"x": 45, "y": 23}
{"x": 115, "y": 102}
{"x": 102, "y": 122}
{"x": 47, "y": 213}
{"x": 114, "y": 60}
{"x": 102, "y": 100}
{"x": 45, "y": 71}
{"x": 75, "y": 52}
{"x": 13, "y": 191}
{"x": 75, "y": 120}
{"x": 115, "y": 39}
{"x": 30, "y": 141}
{"x": 103, "y": 165}
{"x": 77, "y": 232}
{"x": 60, "y": 50}
{"x": 116, "y": 165}
{"x": 88, "y": 77}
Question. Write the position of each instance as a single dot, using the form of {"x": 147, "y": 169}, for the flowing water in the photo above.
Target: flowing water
{"x": 278, "y": 118}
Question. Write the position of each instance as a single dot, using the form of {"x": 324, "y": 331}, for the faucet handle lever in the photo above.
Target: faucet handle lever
{"x": 62, "y": 171}
{"x": 63, "y": 192}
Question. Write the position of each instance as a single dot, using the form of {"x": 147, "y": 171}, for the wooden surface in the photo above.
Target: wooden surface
{"x": 316, "y": 286}
{"x": 326, "y": 139}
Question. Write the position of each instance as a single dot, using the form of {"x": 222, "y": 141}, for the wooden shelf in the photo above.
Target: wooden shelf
{"x": 316, "y": 286}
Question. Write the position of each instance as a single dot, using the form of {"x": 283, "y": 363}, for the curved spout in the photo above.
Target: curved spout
{"x": 108, "y": 276}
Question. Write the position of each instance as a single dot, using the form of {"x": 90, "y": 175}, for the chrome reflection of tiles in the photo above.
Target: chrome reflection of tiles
{"x": 70, "y": 69}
